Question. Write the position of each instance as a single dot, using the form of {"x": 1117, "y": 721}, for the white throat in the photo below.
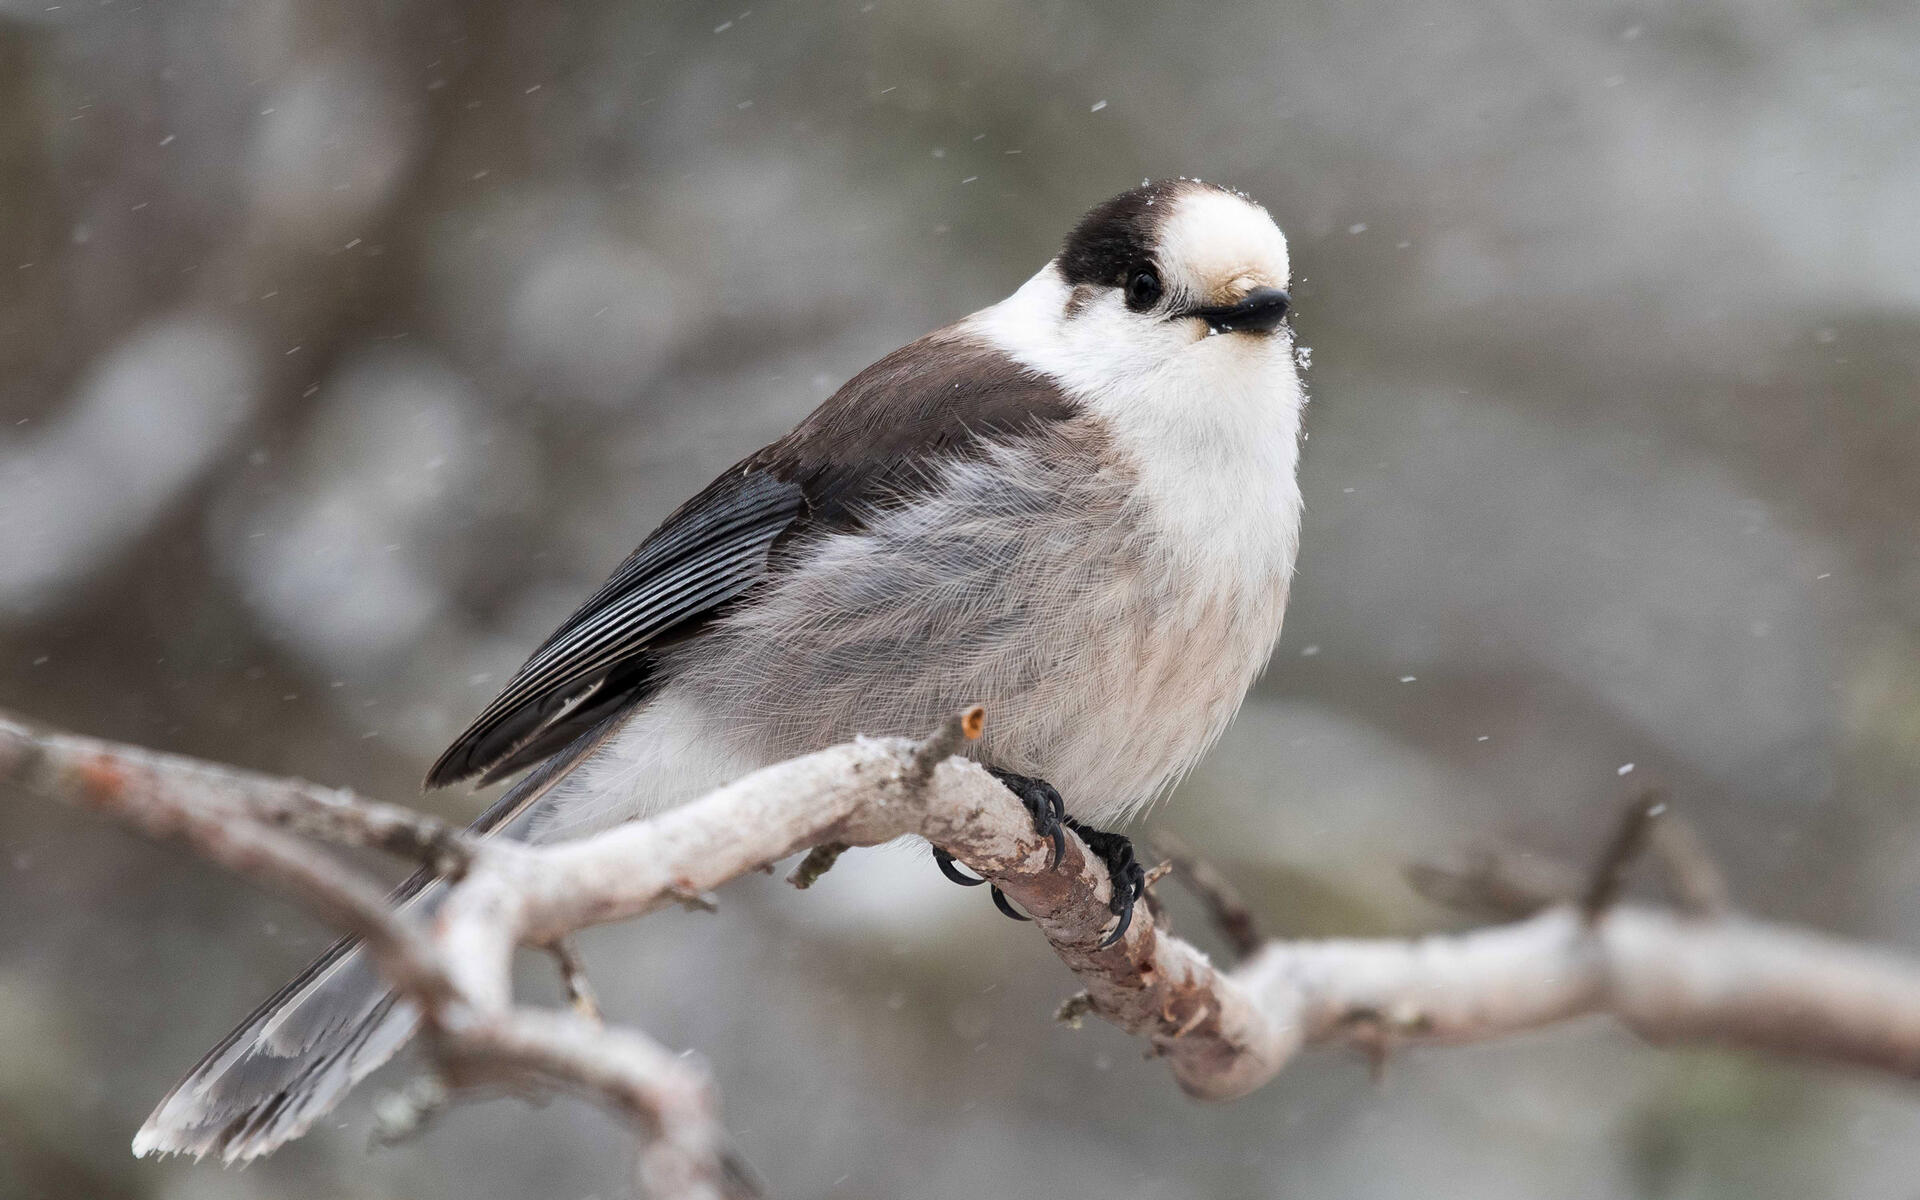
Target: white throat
{"x": 1210, "y": 424}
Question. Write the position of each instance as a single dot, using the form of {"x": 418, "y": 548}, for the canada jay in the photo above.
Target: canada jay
{"x": 1076, "y": 507}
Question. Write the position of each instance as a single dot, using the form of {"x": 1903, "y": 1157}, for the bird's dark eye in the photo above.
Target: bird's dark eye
{"x": 1143, "y": 289}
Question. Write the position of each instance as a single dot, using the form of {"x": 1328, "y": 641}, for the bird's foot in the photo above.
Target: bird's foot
{"x": 1049, "y": 814}
{"x": 1126, "y": 876}
{"x": 945, "y": 862}
{"x": 1043, "y": 803}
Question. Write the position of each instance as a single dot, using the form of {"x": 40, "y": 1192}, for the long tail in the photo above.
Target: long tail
{"x": 293, "y": 1059}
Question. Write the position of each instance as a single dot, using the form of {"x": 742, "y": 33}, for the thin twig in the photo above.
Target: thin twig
{"x": 1630, "y": 837}
{"x": 945, "y": 742}
{"x": 1501, "y": 887}
{"x": 818, "y": 862}
{"x": 1225, "y": 907}
{"x": 573, "y": 977}
{"x": 1698, "y": 885}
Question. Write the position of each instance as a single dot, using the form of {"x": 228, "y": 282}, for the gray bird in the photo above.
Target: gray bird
{"x": 1077, "y": 507}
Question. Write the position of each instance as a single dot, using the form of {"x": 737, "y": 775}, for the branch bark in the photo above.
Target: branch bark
{"x": 236, "y": 818}
{"x": 1667, "y": 976}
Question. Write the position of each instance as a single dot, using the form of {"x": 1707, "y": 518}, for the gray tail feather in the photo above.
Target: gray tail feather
{"x": 291, "y": 1061}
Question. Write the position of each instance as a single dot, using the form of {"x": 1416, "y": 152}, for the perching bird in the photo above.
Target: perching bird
{"x": 1076, "y": 507}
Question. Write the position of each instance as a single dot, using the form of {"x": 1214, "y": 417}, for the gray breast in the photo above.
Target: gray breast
{"x": 1026, "y": 579}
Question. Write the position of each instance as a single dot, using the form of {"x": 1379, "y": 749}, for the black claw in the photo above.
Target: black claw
{"x": 1128, "y": 879}
{"x": 1044, "y": 802}
{"x": 1120, "y": 930}
{"x": 1050, "y": 821}
{"x": 944, "y": 861}
{"x": 1000, "y": 902}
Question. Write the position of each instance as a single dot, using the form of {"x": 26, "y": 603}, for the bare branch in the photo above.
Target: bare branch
{"x": 1668, "y": 977}
{"x": 669, "y": 1097}
{"x": 236, "y": 818}
{"x": 67, "y": 765}
{"x": 166, "y": 798}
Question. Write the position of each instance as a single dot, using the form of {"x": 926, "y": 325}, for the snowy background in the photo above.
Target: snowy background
{"x": 345, "y": 345}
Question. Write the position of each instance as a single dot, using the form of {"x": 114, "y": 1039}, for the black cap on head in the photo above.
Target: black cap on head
{"x": 1122, "y": 233}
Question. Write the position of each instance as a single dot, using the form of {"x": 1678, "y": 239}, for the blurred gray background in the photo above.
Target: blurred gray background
{"x": 345, "y": 345}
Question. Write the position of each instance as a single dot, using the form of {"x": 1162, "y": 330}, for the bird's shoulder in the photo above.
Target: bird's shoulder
{"x": 936, "y": 397}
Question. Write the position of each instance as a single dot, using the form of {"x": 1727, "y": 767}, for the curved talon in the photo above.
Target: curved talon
{"x": 1126, "y": 877}
{"x": 1120, "y": 930}
{"x": 945, "y": 861}
{"x": 1000, "y": 902}
{"x": 1043, "y": 803}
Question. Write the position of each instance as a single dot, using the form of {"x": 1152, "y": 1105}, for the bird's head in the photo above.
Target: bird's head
{"x": 1198, "y": 257}
{"x": 1176, "y": 279}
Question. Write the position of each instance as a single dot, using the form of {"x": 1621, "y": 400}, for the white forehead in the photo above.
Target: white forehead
{"x": 1217, "y": 235}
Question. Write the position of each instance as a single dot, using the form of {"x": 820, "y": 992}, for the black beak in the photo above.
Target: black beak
{"x": 1261, "y": 312}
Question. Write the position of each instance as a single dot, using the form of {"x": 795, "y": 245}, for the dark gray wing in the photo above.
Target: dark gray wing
{"x": 868, "y": 446}
{"x": 710, "y": 551}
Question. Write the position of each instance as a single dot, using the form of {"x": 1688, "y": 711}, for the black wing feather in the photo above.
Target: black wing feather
{"x": 710, "y": 551}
